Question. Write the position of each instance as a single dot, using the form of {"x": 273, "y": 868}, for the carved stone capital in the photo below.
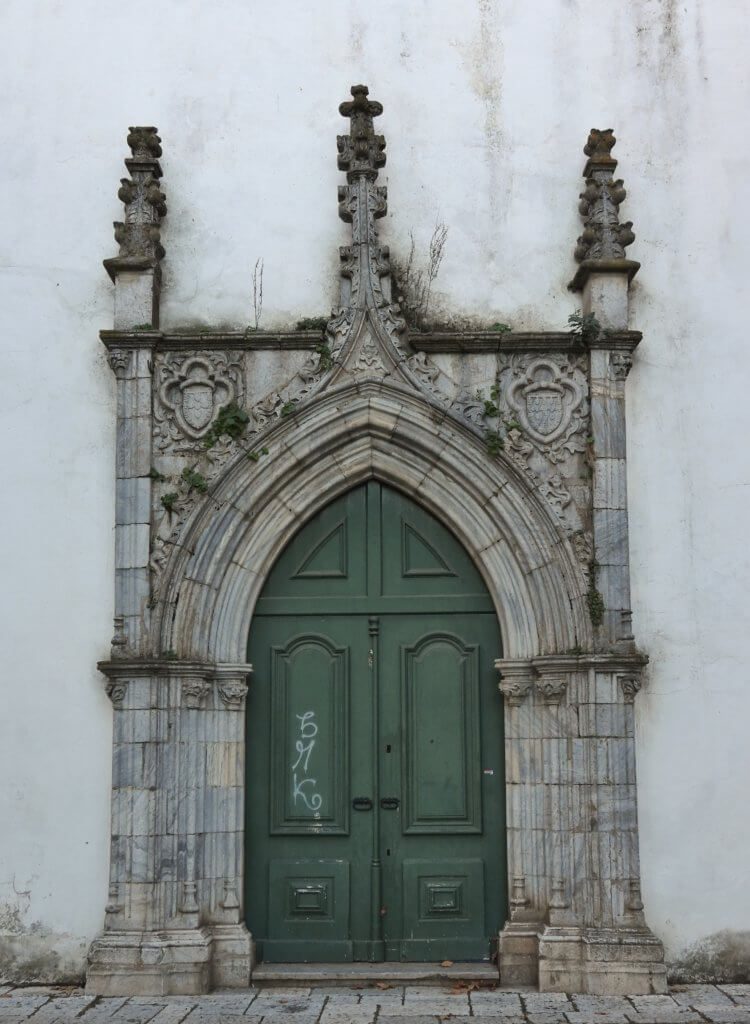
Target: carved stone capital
{"x": 516, "y": 678}
{"x": 194, "y": 691}
{"x": 630, "y": 684}
{"x": 116, "y": 690}
{"x": 231, "y": 685}
{"x": 119, "y": 359}
{"x": 620, "y": 364}
{"x": 552, "y": 687}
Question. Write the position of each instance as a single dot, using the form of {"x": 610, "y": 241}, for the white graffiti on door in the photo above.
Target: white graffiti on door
{"x": 308, "y": 731}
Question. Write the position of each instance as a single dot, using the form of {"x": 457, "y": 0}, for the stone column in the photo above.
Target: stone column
{"x": 576, "y": 921}
{"x": 173, "y": 922}
{"x": 136, "y": 273}
{"x": 525, "y": 821}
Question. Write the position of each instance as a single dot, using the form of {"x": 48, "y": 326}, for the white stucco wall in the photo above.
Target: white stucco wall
{"x": 487, "y": 107}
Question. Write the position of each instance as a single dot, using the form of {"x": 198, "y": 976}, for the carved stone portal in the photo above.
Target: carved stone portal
{"x": 519, "y": 450}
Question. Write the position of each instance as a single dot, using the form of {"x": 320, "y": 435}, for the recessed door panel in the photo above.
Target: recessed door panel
{"x": 310, "y": 736}
{"x": 441, "y": 775}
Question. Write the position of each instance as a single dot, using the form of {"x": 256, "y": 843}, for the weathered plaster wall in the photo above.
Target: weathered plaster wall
{"x": 487, "y": 106}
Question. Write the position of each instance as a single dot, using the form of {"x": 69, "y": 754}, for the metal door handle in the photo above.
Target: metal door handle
{"x": 362, "y": 803}
{"x": 389, "y": 803}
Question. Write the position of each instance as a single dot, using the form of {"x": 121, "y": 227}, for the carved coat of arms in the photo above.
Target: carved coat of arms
{"x": 544, "y": 399}
{"x": 191, "y": 392}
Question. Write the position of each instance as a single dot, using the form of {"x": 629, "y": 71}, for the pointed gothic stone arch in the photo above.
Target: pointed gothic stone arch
{"x": 346, "y": 436}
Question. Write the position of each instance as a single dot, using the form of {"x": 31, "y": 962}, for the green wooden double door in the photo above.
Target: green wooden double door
{"x": 375, "y": 784}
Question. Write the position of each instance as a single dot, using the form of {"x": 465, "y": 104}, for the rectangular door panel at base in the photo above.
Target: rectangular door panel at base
{"x": 375, "y": 792}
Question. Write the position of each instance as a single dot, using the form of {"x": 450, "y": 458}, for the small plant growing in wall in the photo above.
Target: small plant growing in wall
{"x": 584, "y": 326}
{"x": 169, "y": 501}
{"x": 254, "y": 456}
{"x": 195, "y": 481}
{"x": 288, "y": 407}
{"x": 312, "y": 323}
{"x": 325, "y": 357}
{"x": 257, "y": 292}
{"x": 501, "y": 328}
{"x": 231, "y": 421}
{"x": 594, "y": 599}
{"x": 413, "y": 284}
{"x": 494, "y": 442}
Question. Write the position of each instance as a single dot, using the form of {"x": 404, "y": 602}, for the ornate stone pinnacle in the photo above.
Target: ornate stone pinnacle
{"x": 139, "y": 234}
{"x": 601, "y": 246}
{"x": 361, "y": 152}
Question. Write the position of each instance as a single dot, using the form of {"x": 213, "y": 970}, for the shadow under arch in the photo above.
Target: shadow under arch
{"x": 348, "y": 435}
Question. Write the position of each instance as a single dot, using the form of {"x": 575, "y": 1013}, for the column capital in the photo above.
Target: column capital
{"x": 516, "y": 678}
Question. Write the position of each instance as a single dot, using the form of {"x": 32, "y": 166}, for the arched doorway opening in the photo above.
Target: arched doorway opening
{"x": 375, "y": 809}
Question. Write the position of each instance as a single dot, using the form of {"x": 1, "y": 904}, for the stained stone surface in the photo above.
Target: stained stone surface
{"x": 373, "y": 1004}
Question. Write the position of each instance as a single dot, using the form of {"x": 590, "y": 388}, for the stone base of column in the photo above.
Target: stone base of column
{"x": 518, "y": 953}
{"x": 560, "y": 959}
{"x": 601, "y": 961}
{"x": 233, "y": 956}
{"x": 164, "y": 963}
{"x": 623, "y": 962}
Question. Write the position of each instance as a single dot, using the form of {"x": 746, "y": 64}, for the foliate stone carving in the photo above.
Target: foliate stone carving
{"x": 514, "y": 690}
{"x": 232, "y": 693}
{"x": 630, "y": 685}
{"x": 583, "y": 546}
{"x": 369, "y": 362}
{"x": 139, "y": 235}
{"x": 190, "y": 392}
{"x": 545, "y": 398}
{"x": 604, "y": 239}
{"x": 555, "y": 492}
{"x": 621, "y": 363}
{"x": 516, "y": 679}
{"x": 195, "y": 692}
{"x": 552, "y": 688}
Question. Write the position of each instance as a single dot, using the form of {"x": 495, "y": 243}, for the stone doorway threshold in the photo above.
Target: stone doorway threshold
{"x": 397, "y": 973}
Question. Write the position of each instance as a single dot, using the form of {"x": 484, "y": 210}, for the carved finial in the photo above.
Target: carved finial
{"x": 144, "y": 143}
{"x": 599, "y": 146}
{"x": 139, "y": 234}
{"x": 361, "y": 151}
{"x": 601, "y": 246}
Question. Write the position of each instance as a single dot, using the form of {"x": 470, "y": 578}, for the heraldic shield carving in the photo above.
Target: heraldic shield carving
{"x": 544, "y": 399}
{"x": 193, "y": 390}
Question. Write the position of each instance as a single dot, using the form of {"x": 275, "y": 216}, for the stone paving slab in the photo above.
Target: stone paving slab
{"x": 379, "y": 1004}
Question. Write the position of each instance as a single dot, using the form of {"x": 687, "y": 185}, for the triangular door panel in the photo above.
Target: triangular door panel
{"x": 419, "y": 557}
{"x": 327, "y": 559}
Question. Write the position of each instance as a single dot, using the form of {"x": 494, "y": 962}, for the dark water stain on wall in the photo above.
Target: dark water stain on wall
{"x": 722, "y": 957}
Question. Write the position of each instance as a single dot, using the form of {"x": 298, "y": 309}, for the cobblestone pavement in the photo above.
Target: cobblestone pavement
{"x": 379, "y": 1004}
